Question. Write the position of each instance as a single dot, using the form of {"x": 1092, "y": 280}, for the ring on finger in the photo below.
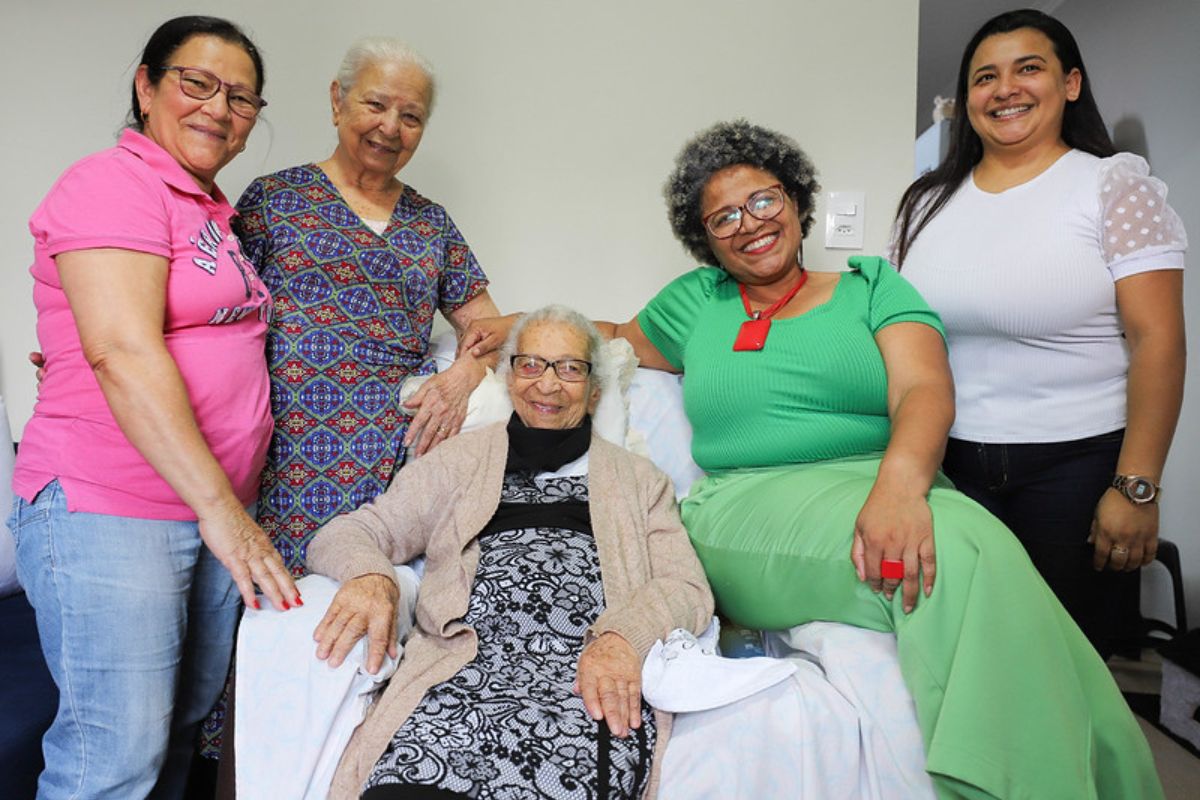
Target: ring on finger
{"x": 1120, "y": 550}
{"x": 891, "y": 569}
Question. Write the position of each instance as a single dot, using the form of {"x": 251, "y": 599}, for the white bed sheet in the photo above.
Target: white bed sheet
{"x": 842, "y": 726}
{"x": 295, "y": 713}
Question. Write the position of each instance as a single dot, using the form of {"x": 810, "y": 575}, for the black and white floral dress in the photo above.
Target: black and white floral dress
{"x": 508, "y": 726}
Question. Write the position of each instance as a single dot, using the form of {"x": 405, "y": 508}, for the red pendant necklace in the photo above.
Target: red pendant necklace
{"x": 753, "y": 333}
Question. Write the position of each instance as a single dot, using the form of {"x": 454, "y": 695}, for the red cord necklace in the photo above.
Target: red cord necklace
{"x": 753, "y": 333}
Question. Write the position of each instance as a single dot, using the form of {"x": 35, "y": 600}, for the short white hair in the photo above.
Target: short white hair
{"x": 381, "y": 50}
{"x": 561, "y": 315}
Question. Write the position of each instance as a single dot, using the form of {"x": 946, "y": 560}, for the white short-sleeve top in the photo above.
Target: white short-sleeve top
{"x": 1024, "y": 281}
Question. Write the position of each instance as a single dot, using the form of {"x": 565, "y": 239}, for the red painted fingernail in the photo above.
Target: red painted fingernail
{"x": 298, "y": 601}
{"x": 257, "y": 607}
{"x": 286, "y": 607}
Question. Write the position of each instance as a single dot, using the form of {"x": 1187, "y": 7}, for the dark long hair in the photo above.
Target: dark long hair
{"x": 1082, "y": 126}
{"x": 172, "y": 35}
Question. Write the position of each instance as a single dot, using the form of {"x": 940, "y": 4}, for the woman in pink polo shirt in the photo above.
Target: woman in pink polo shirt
{"x": 136, "y": 473}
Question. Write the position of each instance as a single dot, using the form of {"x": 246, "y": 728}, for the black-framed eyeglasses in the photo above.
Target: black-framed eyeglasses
{"x": 570, "y": 370}
{"x": 200, "y": 84}
{"x": 764, "y": 204}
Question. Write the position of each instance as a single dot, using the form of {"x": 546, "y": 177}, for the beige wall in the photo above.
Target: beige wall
{"x": 555, "y": 127}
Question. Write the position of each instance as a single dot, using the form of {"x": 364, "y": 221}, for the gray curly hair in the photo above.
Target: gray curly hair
{"x": 565, "y": 316}
{"x": 728, "y": 144}
{"x": 381, "y": 50}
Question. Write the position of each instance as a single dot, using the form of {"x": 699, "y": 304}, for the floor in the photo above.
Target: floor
{"x": 1178, "y": 768}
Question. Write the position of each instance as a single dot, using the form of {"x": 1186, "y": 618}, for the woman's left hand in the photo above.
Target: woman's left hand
{"x": 895, "y": 523}
{"x": 609, "y": 679}
{"x": 440, "y": 405}
{"x": 1125, "y": 536}
{"x": 897, "y": 527}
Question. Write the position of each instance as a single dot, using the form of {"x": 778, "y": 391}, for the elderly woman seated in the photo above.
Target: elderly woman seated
{"x": 554, "y": 562}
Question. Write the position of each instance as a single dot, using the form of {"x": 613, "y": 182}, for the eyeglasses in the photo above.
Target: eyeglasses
{"x": 200, "y": 84}
{"x": 570, "y": 370}
{"x": 764, "y": 204}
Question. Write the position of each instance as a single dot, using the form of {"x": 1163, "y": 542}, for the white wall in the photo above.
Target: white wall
{"x": 555, "y": 127}
{"x": 1144, "y": 62}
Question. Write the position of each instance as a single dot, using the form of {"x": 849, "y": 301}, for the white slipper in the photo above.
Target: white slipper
{"x": 684, "y": 673}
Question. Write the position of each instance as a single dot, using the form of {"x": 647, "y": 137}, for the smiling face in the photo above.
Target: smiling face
{"x": 1017, "y": 92}
{"x": 381, "y": 119}
{"x": 762, "y": 252}
{"x": 202, "y": 135}
{"x": 548, "y": 401}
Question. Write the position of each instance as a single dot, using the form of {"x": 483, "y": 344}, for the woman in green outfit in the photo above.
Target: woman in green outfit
{"x": 820, "y": 404}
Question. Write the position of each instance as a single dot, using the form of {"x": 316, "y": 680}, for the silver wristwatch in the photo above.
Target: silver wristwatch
{"x": 1137, "y": 489}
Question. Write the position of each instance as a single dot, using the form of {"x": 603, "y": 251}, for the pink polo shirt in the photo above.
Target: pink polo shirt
{"x": 136, "y": 197}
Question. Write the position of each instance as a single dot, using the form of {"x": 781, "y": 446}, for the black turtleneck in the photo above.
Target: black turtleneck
{"x": 533, "y": 451}
{"x": 545, "y": 449}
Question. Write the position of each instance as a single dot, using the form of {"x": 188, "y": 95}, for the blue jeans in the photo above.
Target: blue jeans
{"x": 137, "y": 621}
{"x": 1046, "y": 493}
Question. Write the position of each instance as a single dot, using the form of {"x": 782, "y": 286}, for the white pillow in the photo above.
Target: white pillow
{"x": 656, "y": 415}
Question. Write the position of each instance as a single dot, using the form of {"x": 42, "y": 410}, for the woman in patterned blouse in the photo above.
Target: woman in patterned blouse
{"x": 358, "y": 263}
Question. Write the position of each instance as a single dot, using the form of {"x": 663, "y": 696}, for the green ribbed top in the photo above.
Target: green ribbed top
{"x": 817, "y": 391}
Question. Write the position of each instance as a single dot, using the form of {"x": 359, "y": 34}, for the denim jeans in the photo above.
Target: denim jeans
{"x": 1046, "y": 493}
{"x": 137, "y": 621}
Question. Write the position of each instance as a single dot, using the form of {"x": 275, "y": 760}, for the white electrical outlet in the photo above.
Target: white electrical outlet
{"x": 845, "y": 220}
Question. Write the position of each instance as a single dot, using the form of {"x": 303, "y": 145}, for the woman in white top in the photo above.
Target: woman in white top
{"x": 1056, "y": 266}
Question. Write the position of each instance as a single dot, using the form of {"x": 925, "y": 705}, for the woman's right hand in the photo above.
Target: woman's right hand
{"x": 238, "y": 543}
{"x": 363, "y": 606}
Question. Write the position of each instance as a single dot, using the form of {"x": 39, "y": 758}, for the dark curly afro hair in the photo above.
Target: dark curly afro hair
{"x": 728, "y": 144}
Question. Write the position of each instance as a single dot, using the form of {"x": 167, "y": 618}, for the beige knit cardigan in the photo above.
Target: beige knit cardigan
{"x": 437, "y": 505}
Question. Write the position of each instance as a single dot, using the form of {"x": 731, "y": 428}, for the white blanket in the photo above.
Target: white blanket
{"x": 842, "y": 725}
{"x": 295, "y": 714}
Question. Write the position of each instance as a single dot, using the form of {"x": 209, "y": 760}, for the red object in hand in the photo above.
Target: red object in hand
{"x": 891, "y": 570}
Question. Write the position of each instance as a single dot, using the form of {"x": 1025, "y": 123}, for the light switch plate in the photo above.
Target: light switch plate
{"x": 845, "y": 220}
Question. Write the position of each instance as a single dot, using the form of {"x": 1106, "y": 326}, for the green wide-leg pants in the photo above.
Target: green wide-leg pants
{"x": 1012, "y": 700}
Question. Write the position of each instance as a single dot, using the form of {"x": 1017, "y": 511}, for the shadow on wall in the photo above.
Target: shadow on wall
{"x": 1129, "y": 135}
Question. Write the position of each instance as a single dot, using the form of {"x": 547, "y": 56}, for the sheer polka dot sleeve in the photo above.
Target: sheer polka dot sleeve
{"x": 1139, "y": 232}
